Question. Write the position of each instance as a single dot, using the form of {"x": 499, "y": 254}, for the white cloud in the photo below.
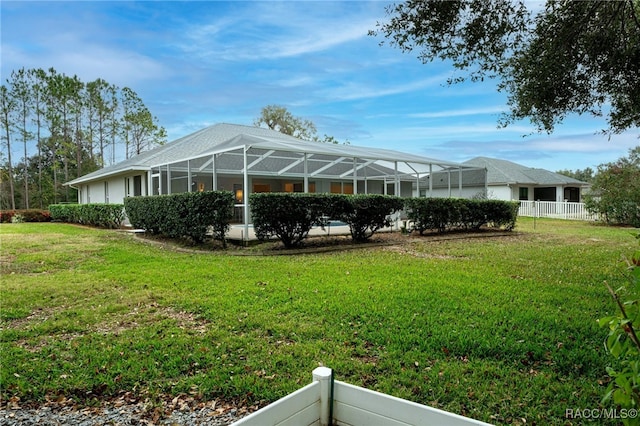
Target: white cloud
{"x": 460, "y": 112}
{"x": 357, "y": 90}
{"x": 274, "y": 30}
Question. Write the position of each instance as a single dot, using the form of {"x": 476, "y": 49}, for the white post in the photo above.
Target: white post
{"x": 306, "y": 174}
{"x": 323, "y": 375}
{"x": 355, "y": 175}
{"x": 245, "y": 195}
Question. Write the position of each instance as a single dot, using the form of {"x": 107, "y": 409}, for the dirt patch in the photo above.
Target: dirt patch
{"x": 319, "y": 244}
{"x": 114, "y": 324}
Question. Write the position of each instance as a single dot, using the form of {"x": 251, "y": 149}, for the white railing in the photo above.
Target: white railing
{"x": 556, "y": 210}
{"x": 327, "y": 402}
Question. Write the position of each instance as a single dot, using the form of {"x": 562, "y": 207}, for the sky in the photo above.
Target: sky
{"x": 198, "y": 63}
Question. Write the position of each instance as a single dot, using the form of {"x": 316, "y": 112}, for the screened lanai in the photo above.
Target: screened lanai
{"x": 249, "y": 163}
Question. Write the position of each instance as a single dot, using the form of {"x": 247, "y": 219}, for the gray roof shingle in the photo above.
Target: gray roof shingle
{"x": 507, "y": 172}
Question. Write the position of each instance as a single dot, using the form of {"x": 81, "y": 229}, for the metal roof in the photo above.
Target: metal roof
{"x": 272, "y": 152}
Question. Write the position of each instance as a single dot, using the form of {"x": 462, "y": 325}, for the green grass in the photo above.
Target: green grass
{"x": 500, "y": 329}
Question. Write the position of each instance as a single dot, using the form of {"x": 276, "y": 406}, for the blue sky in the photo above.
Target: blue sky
{"x": 199, "y": 63}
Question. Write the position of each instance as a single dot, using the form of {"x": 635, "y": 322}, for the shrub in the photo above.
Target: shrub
{"x": 445, "y": 214}
{"x": 101, "y": 215}
{"x": 287, "y": 216}
{"x": 623, "y": 342}
{"x": 28, "y": 215}
{"x": 290, "y": 216}
{"x": 188, "y": 215}
{"x": 366, "y": 214}
{"x": 145, "y": 212}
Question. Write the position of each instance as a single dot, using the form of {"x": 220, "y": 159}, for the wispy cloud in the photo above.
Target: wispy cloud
{"x": 275, "y": 30}
{"x": 460, "y": 112}
{"x": 356, "y": 90}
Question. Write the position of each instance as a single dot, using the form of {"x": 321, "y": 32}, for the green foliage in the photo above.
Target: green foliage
{"x": 31, "y": 215}
{"x": 65, "y": 127}
{"x": 586, "y": 175}
{"x": 94, "y": 315}
{"x": 188, "y": 215}
{"x": 278, "y": 118}
{"x": 573, "y": 57}
{"x": 287, "y": 216}
{"x": 108, "y": 216}
{"x": 290, "y": 216}
{"x": 367, "y": 214}
{"x": 615, "y": 194}
{"x": 447, "y": 214}
{"x": 623, "y": 342}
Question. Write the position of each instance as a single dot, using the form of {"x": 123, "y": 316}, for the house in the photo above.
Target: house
{"x": 232, "y": 157}
{"x": 248, "y": 159}
{"x": 510, "y": 181}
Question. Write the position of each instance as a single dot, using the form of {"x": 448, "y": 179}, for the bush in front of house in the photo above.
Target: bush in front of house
{"x": 287, "y": 216}
{"x": 109, "y": 216}
{"x": 367, "y": 214}
{"x": 24, "y": 215}
{"x": 146, "y": 212}
{"x": 187, "y": 215}
{"x": 290, "y": 216}
{"x": 448, "y": 214}
{"x": 501, "y": 214}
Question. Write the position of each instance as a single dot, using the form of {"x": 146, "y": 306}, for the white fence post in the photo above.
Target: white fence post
{"x": 323, "y": 375}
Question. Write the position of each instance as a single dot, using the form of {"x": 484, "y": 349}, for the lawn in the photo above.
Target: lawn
{"x": 501, "y": 329}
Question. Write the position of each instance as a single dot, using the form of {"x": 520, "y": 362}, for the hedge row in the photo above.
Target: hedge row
{"x": 101, "y": 215}
{"x": 28, "y": 215}
{"x": 290, "y": 216}
{"x": 187, "y": 215}
{"x": 448, "y": 214}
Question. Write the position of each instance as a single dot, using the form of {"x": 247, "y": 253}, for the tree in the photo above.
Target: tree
{"x": 585, "y": 175}
{"x": 38, "y": 77}
{"x": 278, "y": 118}
{"x": 7, "y": 108}
{"x": 615, "y": 193}
{"x": 21, "y": 92}
{"x": 72, "y": 124}
{"x": 573, "y": 57}
{"x": 140, "y": 129}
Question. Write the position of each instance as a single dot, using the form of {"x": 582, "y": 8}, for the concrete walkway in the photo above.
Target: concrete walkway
{"x": 236, "y": 232}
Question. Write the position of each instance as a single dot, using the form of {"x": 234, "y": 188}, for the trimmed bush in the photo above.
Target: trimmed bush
{"x": 100, "y": 215}
{"x": 28, "y": 215}
{"x": 188, "y": 215}
{"x": 287, "y": 216}
{"x": 290, "y": 216}
{"x": 367, "y": 214}
{"x": 447, "y": 214}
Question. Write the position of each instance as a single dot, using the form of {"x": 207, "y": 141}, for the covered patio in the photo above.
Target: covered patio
{"x": 273, "y": 162}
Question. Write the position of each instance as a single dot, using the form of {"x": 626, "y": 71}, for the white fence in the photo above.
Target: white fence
{"x": 327, "y": 402}
{"x": 556, "y": 210}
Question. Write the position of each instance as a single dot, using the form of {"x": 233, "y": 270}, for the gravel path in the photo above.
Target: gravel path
{"x": 117, "y": 416}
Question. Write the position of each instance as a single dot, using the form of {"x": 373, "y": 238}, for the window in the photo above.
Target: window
{"x": 137, "y": 186}
{"x": 341, "y": 188}
{"x": 293, "y": 187}
{"x": 261, "y": 187}
{"x": 524, "y": 193}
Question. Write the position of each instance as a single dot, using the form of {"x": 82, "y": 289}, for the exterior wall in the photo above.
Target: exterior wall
{"x": 111, "y": 191}
{"x": 504, "y": 193}
{"x": 467, "y": 192}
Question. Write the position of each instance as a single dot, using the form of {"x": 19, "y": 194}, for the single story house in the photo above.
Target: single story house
{"x": 249, "y": 159}
{"x": 510, "y": 181}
